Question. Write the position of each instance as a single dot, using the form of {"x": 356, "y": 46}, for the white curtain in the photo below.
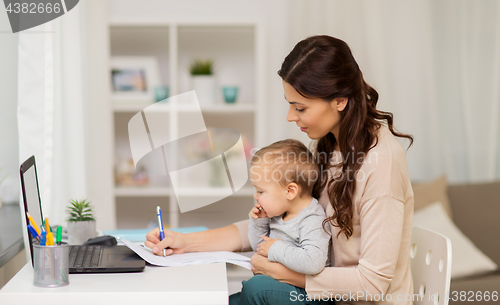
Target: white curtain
{"x": 436, "y": 66}
{"x": 50, "y": 110}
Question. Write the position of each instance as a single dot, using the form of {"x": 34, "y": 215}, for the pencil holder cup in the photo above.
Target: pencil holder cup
{"x": 51, "y": 265}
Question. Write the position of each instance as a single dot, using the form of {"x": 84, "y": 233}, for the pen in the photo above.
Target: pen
{"x": 33, "y": 223}
{"x": 33, "y": 232}
{"x": 42, "y": 239}
{"x": 47, "y": 225}
{"x": 160, "y": 226}
{"x": 50, "y": 236}
{"x": 58, "y": 235}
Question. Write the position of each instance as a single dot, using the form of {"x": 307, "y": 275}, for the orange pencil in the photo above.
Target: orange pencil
{"x": 50, "y": 236}
{"x": 47, "y": 226}
{"x": 33, "y": 223}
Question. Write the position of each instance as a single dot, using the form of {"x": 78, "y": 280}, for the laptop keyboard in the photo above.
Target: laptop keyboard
{"x": 84, "y": 256}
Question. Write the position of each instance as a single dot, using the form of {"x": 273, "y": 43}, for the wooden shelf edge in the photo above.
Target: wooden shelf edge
{"x": 185, "y": 192}
{"x": 229, "y": 108}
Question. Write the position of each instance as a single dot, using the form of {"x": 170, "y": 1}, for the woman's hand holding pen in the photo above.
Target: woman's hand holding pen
{"x": 174, "y": 242}
{"x": 257, "y": 211}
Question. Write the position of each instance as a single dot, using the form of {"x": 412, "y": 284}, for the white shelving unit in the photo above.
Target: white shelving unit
{"x": 228, "y": 108}
{"x": 236, "y": 49}
{"x": 166, "y": 191}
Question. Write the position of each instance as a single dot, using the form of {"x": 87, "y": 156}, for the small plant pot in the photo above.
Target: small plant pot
{"x": 80, "y": 231}
{"x": 230, "y": 94}
{"x": 204, "y": 85}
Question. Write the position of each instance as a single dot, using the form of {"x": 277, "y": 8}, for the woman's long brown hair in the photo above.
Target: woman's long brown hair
{"x": 323, "y": 67}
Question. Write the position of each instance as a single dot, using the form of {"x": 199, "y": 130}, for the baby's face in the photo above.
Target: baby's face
{"x": 268, "y": 192}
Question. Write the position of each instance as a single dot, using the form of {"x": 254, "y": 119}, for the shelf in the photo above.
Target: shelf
{"x": 124, "y": 108}
{"x": 142, "y": 191}
{"x": 188, "y": 192}
{"x": 207, "y": 192}
{"x": 225, "y": 108}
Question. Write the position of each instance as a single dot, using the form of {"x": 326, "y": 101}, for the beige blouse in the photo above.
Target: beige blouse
{"x": 373, "y": 265}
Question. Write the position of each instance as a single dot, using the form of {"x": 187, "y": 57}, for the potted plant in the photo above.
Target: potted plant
{"x": 81, "y": 222}
{"x": 203, "y": 81}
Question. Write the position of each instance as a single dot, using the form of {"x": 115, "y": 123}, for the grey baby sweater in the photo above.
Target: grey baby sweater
{"x": 303, "y": 244}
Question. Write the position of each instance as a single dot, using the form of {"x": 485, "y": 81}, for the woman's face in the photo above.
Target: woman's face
{"x": 314, "y": 116}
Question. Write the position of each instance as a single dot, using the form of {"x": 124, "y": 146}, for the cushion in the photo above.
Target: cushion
{"x": 467, "y": 259}
{"x": 430, "y": 192}
{"x": 475, "y": 208}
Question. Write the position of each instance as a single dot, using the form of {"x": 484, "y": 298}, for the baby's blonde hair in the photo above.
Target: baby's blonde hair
{"x": 293, "y": 161}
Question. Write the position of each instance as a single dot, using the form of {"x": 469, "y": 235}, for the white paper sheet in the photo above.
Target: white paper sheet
{"x": 191, "y": 258}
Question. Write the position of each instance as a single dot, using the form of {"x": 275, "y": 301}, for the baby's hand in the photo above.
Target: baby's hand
{"x": 263, "y": 247}
{"x": 258, "y": 212}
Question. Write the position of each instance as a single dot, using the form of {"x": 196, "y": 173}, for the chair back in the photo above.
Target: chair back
{"x": 430, "y": 258}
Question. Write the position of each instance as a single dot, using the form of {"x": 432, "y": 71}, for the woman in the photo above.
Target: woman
{"x": 364, "y": 188}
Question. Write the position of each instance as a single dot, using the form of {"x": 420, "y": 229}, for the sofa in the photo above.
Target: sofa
{"x": 472, "y": 209}
{"x": 475, "y": 211}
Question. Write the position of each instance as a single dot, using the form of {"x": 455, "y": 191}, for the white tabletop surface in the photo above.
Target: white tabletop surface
{"x": 195, "y": 284}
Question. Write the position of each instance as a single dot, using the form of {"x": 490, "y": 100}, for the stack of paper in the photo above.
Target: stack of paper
{"x": 191, "y": 258}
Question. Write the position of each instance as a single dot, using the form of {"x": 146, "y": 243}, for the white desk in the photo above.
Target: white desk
{"x": 196, "y": 284}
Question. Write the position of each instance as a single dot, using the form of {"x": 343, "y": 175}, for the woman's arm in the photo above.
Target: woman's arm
{"x": 261, "y": 265}
{"x": 222, "y": 239}
{"x": 382, "y": 227}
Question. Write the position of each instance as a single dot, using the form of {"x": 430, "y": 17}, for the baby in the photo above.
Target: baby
{"x": 286, "y": 223}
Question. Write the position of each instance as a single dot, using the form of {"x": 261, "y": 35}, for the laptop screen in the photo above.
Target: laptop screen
{"x": 31, "y": 195}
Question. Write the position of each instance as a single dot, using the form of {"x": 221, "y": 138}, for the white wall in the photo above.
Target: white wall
{"x": 9, "y": 160}
{"x": 99, "y": 132}
{"x": 436, "y": 67}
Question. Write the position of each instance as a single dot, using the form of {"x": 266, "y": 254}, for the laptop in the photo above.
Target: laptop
{"x": 82, "y": 259}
